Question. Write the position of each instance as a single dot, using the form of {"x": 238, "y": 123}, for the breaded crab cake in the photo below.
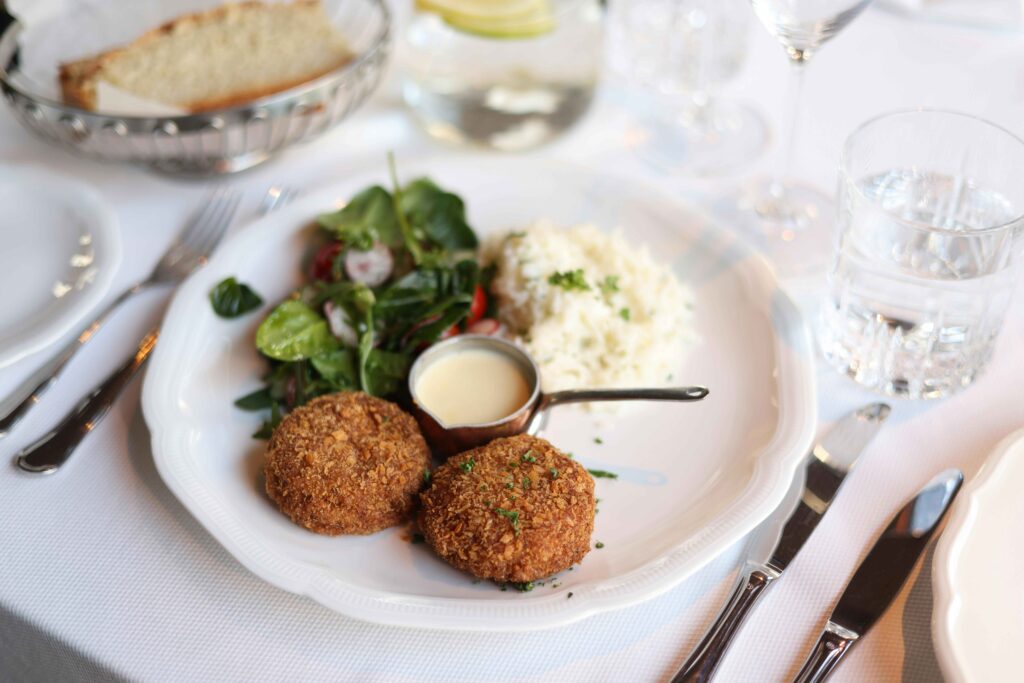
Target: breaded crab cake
{"x": 346, "y": 463}
{"x": 515, "y": 510}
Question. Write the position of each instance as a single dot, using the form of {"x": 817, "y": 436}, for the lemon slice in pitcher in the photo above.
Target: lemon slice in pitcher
{"x": 494, "y": 18}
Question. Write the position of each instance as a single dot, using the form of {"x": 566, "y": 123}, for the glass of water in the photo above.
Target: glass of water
{"x": 481, "y": 73}
{"x": 681, "y": 52}
{"x": 931, "y": 220}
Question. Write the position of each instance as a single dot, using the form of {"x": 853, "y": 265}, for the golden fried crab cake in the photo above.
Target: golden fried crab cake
{"x": 346, "y": 463}
{"x": 515, "y": 510}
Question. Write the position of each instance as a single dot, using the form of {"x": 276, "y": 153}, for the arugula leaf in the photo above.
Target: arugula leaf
{"x": 266, "y": 430}
{"x": 440, "y": 215}
{"x": 257, "y": 400}
{"x": 231, "y": 298}
{"x": 412, "y": 241}
{"x": 369, "y": 217}
{"x": 294, "y": 331}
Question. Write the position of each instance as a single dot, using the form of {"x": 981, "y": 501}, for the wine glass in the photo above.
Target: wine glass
{"x": 678, "y": 52}
{"x": 791, "y": 221}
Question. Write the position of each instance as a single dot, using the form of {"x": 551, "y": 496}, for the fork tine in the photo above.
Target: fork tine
{"x": 217, "y": 226}
{"x": 200, "y": 218}
{"x": 202, "y": 236}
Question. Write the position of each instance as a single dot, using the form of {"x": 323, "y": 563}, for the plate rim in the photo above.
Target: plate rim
{"x": 101, "y": 217}
{"x": 771, "y": 477}
{"x": 945, "y": 561}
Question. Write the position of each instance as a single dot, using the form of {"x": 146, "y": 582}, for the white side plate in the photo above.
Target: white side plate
{"x": 978, "y": 572}
{"x": 693, "y": 478}
{"x": 61, "y": 248}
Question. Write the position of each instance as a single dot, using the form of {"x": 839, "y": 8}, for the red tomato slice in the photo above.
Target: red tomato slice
{"x": 322, "y": 266}
{"x": 478, "y": 307}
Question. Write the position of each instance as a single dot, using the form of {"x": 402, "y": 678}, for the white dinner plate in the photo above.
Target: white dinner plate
{"x": 693, "y": 478}
{"x": 978, "y": 571}
{"x": 61, "y": 248}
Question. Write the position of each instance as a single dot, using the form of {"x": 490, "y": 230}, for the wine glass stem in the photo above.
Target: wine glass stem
{"x": 798, "y": 60}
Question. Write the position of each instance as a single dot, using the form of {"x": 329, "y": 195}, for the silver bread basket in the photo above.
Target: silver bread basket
{"x": 220, "y": 141}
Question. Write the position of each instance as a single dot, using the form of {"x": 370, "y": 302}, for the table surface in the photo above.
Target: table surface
{"x": 103, "y": 574}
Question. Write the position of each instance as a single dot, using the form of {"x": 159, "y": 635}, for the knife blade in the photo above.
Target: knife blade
{"x": 881, "y": 575}
{"x": 827, "y": 466}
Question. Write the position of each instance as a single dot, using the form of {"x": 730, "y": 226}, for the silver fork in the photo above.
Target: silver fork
{"x": 189, "y": 250}
{"x": 46, "y": 455}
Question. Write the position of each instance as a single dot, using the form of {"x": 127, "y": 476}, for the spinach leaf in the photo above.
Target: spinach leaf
{"x": 367, "y": 218}
{"x": 294, "y": 331}
{"x": 440, "y": 215}
{"x": 231, "y": 298}
{"x": 385, "y": 372}
{"x": 338, "y": 367}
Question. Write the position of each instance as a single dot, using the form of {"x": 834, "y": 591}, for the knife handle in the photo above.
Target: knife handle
{"x": 704, "y": 660}
{"x": 46, "y": 455}
{"x": 834, "y": 642}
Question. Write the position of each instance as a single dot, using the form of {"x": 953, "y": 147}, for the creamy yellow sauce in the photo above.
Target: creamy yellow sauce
{"x": 472, "y": 387}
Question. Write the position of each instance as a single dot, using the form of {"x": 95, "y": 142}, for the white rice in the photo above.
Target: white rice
{"x": 582, "y": 339}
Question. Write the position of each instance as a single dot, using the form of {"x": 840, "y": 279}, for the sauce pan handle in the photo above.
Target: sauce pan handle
{"x": 649, "y": 394}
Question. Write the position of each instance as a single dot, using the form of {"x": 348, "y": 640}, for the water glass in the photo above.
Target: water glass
{"x": 681, "y": 52}
{"x": 930, "y": 234}
{"x": 512, "y": 90}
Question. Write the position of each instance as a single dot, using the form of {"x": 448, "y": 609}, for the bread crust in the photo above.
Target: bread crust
{"x": 78, "y": 79}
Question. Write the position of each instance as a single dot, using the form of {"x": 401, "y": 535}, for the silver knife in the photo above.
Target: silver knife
{"x": 881, "y": 575}
{"x": 827, "y": 465}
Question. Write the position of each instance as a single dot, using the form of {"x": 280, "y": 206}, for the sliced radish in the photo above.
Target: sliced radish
{"x": 488, "y": 326}
{"x": 371, "y": 268}
{"x": 341, "y": 326}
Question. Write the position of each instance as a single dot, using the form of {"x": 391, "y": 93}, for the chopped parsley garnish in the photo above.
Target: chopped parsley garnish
{"x": 599, "y": 545}
{"x": 512, "y": 516}
{"x": 569, "y": 280}
{"x": 426, "y": 477}
{"x": 524, "y": 587}
{"x": 598, "y": 440}
{"x": 610, "y": 284}
{"x": 624, "y": 314}
{"x": 526, "y": 483}
{"x": 554, "y": 472}
{"x": 603, "y": 474}
{"x": 418, "y": 538}
{"x": 467, "y": 466}
{"x": 569, "y": 595}
{"x": 528, "y": 456}
{"x": 510, "y": 485}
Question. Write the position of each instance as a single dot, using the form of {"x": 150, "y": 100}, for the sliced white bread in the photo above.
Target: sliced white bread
{"x": 218, "y": 58}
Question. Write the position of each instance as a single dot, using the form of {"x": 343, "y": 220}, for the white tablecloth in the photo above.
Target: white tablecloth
{"x": 104, "y": 574}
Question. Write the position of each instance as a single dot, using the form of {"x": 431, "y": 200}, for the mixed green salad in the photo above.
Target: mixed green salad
{"x": 395, "y": 273}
